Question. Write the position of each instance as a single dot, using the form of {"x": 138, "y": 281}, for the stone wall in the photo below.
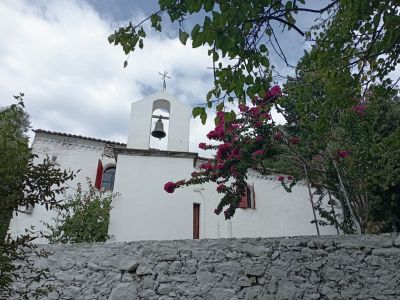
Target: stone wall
{"x": 330, "y": 267}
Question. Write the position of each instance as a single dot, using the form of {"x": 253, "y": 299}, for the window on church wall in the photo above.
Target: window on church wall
{"x": 107, "y": 181}
{"x": 104, "y": 177}
{"x": 248, "y": 200}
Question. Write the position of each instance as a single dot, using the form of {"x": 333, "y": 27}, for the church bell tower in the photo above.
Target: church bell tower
{"x": 142, "y": 114}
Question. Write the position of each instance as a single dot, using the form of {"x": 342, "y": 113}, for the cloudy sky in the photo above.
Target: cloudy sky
{"x": 57, "y": 53}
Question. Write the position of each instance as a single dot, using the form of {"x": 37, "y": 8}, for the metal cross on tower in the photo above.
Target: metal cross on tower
{"x": 163, "y": 78}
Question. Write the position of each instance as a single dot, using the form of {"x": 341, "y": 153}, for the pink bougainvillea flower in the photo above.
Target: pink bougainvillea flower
{"x": 243, "y": 107}
{"x": 169, "y": 187}
{"x": 220, "y": 166}
{"x": 258, "y": 124}
{"x": 281, "y": 178}
{"x": 290, "y": 177}
{"x": 273, "y": 93}
{"x": 235, "y": 154}
{"x": 258, "y": 153}
{"x": 359, "y": 109}
{"x": 343, "y": 153}
{"x": 202, "y": 146}
{"x": 278, "y": 135}
{"x": 254, "y": 111}
{"x": 217, "y": 133}
{"x": 265, "y": 116}
{"x": 295, "y": 140}
{"x": 222, "y": 150}
{"x": 206, "y": 166}
{"x": 220, "y": 188}
{"x": 259, "y": 138}
{"x": 234, "y": 171}
{"x": 221, "y": 116}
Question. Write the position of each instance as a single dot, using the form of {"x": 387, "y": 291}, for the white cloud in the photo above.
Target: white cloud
{"x": 57, "y": 53}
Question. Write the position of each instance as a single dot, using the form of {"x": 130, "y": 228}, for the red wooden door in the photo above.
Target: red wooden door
{"x": 196, "y": 221}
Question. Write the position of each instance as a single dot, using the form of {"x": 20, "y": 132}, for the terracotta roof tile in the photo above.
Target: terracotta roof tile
{"x": 77, "y": 136}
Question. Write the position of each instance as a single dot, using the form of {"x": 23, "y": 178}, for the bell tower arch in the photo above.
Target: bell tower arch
{"x": 140, "y": 125}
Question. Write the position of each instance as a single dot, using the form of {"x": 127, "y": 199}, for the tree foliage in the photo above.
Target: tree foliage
{"x": 240, "y": 36}
{"x": 23, "y": 185}
{"x": 344, "y": 132}
{"x": 84, "y": 218}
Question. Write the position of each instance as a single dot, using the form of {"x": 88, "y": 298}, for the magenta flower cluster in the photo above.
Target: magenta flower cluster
{"x": 244, "y": 143}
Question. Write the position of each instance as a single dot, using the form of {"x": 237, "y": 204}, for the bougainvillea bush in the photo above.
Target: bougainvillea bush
{"x": 245, "y": 142}
{"x": 341, "y": 163}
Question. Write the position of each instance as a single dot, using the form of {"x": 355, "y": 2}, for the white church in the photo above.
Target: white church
{"x": 143, "y": 210}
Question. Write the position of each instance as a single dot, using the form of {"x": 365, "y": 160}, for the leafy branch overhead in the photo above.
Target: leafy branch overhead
{"x": 364, "y": 34}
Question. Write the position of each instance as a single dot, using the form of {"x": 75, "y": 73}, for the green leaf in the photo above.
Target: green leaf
{"x": 125, "y": 63}
{"x": 183, "y": 36}
{"x": 220, "y": 106}
{"x": 263, "y": 48}
{"x": 215, "y": 56}
{"x": 208, "y": 5}
{"x": 203, "y": 117}
{"x": 229, "y": 116}
{"x": 197, "y": 111}
{"x": 195, "y": 30}
{"x": 209, "y": 95}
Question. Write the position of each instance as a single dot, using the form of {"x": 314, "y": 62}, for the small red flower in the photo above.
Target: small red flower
{"x": 254, "y": 111}
{"x": 290, "y": 177}
{"x": 169, "y": 187}
{"x": 243, "y": 107}
{"x": 258, "y": 124}
{"x": 277, "y": 136}
{"x": 281, "y": 178}
{"x": 220, "y": 188}
{"x": 202, "y": 146}
{"x": 206, "y": 166}
{"x": 258, "y": 153}
{"x": 265, "y": 116}
{"x": 234, "y": 171}
{"x": 275, "y": 91}
{"x": 343, "y": 153}
{"x": 217, "y": 133}
{"x": 359, "y": 109}
{"x": 295, "y": 140}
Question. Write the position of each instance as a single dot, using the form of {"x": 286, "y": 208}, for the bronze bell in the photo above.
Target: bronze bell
{"x": 158, "y": 131}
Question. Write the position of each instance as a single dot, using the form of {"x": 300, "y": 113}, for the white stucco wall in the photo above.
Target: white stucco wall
{"x": 144, "y": 211}
{"x": 72, "y": 154}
